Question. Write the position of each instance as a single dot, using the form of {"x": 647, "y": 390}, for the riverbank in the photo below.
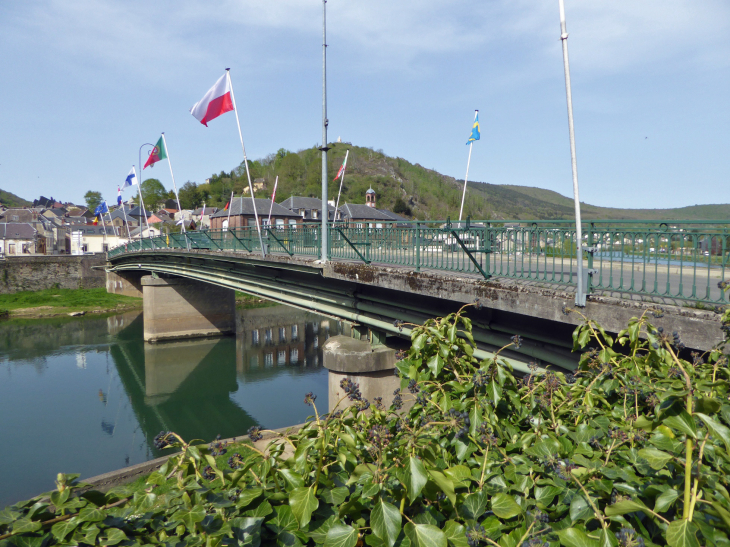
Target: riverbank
{"x": 58, "y": 302}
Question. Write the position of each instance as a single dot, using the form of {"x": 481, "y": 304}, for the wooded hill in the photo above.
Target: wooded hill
{"x": 11, "y": 200}
{"x": 416, "y": 191}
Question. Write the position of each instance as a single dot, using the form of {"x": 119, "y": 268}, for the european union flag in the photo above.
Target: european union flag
{"x": 474, "y": 130}
{"x": 101, "y": 209}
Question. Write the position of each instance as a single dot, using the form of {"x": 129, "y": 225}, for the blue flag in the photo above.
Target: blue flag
{"x": 101, "y": 209}
{"x": 474, "y": 130}
{"x": 131, "y": 179}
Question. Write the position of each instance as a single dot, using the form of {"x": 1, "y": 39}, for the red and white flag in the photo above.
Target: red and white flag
{"x": 342, "y": 168}
{"x": 215, "y": 102}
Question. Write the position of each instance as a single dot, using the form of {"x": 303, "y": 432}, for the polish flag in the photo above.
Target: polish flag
{"x": 215, "y": 102}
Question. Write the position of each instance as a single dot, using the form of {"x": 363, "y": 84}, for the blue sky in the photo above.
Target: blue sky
{"x": 85, "y": 83}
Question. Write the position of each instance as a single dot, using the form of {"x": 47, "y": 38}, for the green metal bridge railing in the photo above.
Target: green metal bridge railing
{"x": 684, "y": 260}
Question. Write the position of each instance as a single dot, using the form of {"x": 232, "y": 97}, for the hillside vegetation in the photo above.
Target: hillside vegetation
{"x": 413, "y": 190}
{"x": 11, "y": 200}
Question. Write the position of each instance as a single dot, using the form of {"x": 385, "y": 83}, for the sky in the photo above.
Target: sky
{"x": 85, "y": 83}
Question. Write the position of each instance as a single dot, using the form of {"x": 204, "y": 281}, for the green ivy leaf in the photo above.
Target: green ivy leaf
{"x": 494, "y": 390}
{"x": 25, "y": 525}
{"x": 385, "y": 520}
{"x": 474, "y": 506}
{"x": 580, "y": 509}
{"x": 61, "y": 529}
{"x": 546, "y": 495}
{"x": 455, "y": 534}
{"x": 284, "y": 519}
{"x": 247, "y": 531}
{"x": 425, "y": 535}
{"x": 341, "y": 536}
{"x": 190, "y": 516}
{"x": 335, "y": 496}
{"x": 460, "y": 475}
{"x": 247, "y": 496}
{"x": 303, "y": 502}
{"x": 682, "y": 533}
{"x": 435, "y": 363}
{"x": 292, "y": 478}
{"x": 58, "y": 499}
{"x": 112, "y": 536}
{"x": 416, "y": 478}
{"x": 665, "y": 500}
{"x": 573, "y": 537}
{"x": 444, "y": 483}
{"x": 504, "y": 506}
{"x": 716, "y": 429}
{"x": 627, "y": 506}
{"x": 682, "y": 422}
{"x": 656, "y": 458}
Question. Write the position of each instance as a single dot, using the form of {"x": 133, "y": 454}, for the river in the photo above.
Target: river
{"x": 87, "y": 395}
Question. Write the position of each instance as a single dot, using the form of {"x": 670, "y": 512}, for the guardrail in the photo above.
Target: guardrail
{"x": 683, "y": 260}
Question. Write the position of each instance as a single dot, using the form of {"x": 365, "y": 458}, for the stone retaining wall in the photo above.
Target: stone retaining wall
{"x": 39, "y": 272}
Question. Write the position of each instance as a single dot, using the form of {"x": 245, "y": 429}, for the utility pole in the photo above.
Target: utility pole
{"x": 580, "y": 290}
{"x": 325, "y": 122}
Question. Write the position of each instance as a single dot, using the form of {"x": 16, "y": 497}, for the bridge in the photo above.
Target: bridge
{"x": 521, "y": 273}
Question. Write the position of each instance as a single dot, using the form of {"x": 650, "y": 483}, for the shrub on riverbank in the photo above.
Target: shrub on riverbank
{"x": 630, "y": 450}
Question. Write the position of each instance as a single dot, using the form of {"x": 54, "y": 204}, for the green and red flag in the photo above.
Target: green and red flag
{"x": 226, "y": 207}
{"x": 158, "y": 153}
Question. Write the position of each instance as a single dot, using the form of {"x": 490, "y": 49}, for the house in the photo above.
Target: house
{"x": 310, "y": 209}
{"x": 242, "y": 214}
{"x": 359, "y": 216}
{"x": 143, "y": 232}
{"x": 93, "y": 239}
{"x": 18, "y": 214}
{"x": 203, "y": 215}
{"x": 17, "y": 238}
{"x": 121, "y": 217}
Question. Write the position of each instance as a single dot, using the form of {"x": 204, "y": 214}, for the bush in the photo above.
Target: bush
{"x": 630, "y": 450}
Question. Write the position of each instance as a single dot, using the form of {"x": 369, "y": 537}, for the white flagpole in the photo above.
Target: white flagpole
{"x": 141, "y": 201}
{"x": 245, "y": 162}
{"x": 273, "y": 196}
{"x": 124, "y": 212}
{"x": 167, "y": 151}
{"x": 230, "y": 206}
{"x": 342, "y": 180}
{"x": 580, "y": 295}
{"x": 111, "y": 222}
{"x": 468, "y": 161}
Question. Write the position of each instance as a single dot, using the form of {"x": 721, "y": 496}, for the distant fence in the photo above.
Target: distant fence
{"x": 683, "y": 260}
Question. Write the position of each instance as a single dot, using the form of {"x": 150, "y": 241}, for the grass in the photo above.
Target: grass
{"x": 67, "y": 300}
{"x": 249, "y": 301}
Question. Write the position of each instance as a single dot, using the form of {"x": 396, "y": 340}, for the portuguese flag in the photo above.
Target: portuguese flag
{"x": 158, "y": 153}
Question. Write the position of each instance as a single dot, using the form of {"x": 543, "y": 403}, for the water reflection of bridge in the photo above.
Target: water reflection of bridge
{"x": 186, "y": 386}
{"x": 285, "y": 337}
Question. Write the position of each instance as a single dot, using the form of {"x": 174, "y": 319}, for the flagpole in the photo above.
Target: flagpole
{"x": 325, "y": 123}
{"x": 468, "y": 161}
{"x": 126, "y": 222}
{"x": 139, "y": 190}
{"x": 245, "y": 162}
{"x": 342, "y": 180}
{"x": 272, "y": 199}
{"x": 230, "y": 206}
{"x": 167, "y": 152}
{"x": 580, "y": 295}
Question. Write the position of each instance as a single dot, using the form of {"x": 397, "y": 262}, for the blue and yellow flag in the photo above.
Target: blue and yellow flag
{"x": 474, "y": 130}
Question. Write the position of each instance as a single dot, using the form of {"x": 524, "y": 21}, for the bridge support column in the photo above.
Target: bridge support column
{"x": 370, "y": 367}
{"x": 175, "y": 307}
{"x": 127, "y": 284}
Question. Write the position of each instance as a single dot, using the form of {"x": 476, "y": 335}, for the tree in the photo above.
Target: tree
{"x": 93, "y": 199}
{"x": 401, "y": 207}
{"x": 153, "y": 193}
{"x": 190, "y": 196}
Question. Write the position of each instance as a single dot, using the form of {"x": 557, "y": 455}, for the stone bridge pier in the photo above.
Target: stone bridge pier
{"x": 176, "y": 307}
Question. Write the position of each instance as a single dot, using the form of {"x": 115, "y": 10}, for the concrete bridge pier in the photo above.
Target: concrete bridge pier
{"x": 176, "y": 307}
{"x": 365, "y": 360}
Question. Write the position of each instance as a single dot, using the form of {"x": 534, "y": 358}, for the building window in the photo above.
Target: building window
{"x": 292, "y": 222}
{"x": 268, "y": 336}
{"x": 84, "y": 248}
{"x": 225, "y": 225}
{"x": 11, "y": 248}
{"x": 294, "y": 356}
{"x": 269, "y": 360}
{"x": 253, "y": 361}
{"x": 294, "y": 333}
{"x": 316, "y": 342}
{"x": 255, "y": 337}
{"x": 282, "y": 335}
{"x": 106, "y": 247}
{"x": 281, "y": 358}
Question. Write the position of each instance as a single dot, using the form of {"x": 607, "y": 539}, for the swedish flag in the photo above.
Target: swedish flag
{"x": 474, "y": 129}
